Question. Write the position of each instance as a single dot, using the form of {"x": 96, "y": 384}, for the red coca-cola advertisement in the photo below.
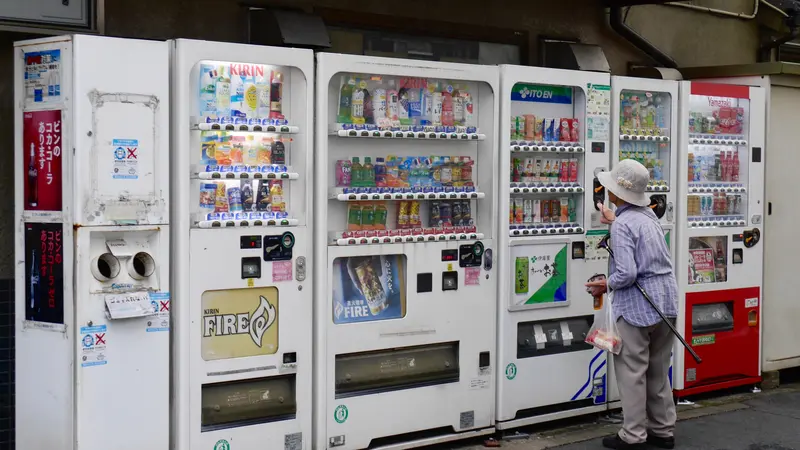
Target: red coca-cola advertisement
{"x": 42, "y": 144}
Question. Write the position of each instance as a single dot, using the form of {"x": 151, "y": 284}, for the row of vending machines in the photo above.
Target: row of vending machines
{"x": 363, "y": 252}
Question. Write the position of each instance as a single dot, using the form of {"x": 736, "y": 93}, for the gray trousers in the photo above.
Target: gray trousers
{"x": 642, "y": 368}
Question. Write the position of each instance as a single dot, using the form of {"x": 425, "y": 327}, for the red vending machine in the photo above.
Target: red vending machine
{"x": 719, "y": 262}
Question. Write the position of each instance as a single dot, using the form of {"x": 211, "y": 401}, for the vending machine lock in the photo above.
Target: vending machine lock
{"x": 251, "y": 267}
{"x": 300, "y": 268}
{"x": 751, "y": 237}
{"x": 470, "y": 255}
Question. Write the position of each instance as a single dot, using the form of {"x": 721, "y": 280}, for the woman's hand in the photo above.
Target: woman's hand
{"x": 598, "y": 288}
{"x": 607, "y": 216}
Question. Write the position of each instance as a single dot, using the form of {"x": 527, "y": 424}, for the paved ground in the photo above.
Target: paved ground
{"x": 761, "y": 421}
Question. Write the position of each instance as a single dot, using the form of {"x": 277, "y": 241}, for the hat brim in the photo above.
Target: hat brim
{"x": 634, "y": 198}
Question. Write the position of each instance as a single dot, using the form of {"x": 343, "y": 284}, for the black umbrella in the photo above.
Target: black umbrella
{"x": 604, "y": 245}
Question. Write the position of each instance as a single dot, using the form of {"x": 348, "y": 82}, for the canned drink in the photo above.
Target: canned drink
{"x": 521, "y": 267}
{"x": 545, "y": 211}
{"x": 555, "y": 210}
{"x": 530, "y": 170}
{"x": 527, "y": 209}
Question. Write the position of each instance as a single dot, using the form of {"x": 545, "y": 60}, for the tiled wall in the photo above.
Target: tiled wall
{"x": 6, "y": 364}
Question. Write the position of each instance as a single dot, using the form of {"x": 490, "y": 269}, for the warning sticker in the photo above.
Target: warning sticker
{"x": 281, "y": 271}
{"x": 160, "y": 321}
{"x": 93, "y": 346}
{"x": 126, "y": 159}
{"x": 472, "y": 276}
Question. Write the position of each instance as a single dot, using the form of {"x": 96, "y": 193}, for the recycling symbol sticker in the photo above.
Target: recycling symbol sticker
{"x": 511, "y": 371}
{"x": 340, "y": 414}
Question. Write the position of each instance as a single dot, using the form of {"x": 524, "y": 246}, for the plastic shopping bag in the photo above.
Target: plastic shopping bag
{"x": 604, "y": 333}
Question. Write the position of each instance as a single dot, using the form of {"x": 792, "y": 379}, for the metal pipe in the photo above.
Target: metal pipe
{"x": 723, "y": 12}
{"x": 617, "y": 23}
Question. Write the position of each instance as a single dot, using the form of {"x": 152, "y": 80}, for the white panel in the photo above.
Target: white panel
{"x": 121, "y": 129}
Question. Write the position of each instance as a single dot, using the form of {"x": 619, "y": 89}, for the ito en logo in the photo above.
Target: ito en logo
{"x": 222, "y": 444}
{"x": 255, "y": 324}
{"x": 340, "y": 414}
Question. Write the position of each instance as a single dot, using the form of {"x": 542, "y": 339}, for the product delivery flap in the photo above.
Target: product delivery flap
{"x": 130, "y": 305}
{"x": 119, "y": 248}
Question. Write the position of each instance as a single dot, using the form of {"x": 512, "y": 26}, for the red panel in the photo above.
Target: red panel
{"x": 716, "y": 387}
{"x": 734, "y": 354}
{"x": 721, "y": 90}
{"x": 41, "y": 139}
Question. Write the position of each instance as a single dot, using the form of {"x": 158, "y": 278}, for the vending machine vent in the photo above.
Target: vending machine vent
{"x": 387, "y": 370}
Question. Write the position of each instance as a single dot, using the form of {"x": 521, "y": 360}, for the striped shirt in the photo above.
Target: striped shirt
{"x": 640, "y": 254}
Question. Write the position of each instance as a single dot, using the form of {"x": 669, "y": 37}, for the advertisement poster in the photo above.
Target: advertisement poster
{"x": 239, "y": 322}
{"x": 708, "y": 259}
{"x": 540, "y": 274}
{"x": 44, "y": 273}
{"x": 367, "y": 288}
{"x": 41, "y": 140}
{"x": 43, "y": 76}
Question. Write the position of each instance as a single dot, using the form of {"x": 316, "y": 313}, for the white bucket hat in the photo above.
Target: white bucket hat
{"x": 628, "y": 181}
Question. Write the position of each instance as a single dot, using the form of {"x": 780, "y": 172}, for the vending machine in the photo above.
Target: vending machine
{"x": 720, "y": 216}
{"x": 242, "y": 174}
{"x": 92, "y": 243}
{"x": 780, "y": 338}
{"x": 405, "y": 213}
{"x": 645, "y": 112}
{"x": 554, "y": 139}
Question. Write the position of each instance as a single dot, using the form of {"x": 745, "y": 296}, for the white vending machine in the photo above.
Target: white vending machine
{"x": 554, "y": 139}
{"x": 92, "y": 243}
{"x": 719, "y": 255}
{"x": 645, "y": 112}
{"x": 242, "y": 174}
{"x": 405, "y": 214}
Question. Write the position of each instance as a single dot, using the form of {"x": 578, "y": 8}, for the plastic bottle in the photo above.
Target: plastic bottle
{"x": 368, "y": 173}
{"x": 448, "y": 119}
{"x": 392, "y": 104}
{"x": 345, "y": 99}
{"x": 735, "y": 168}
{"x": 380, "y": 172}
{"x": 357, "y": 171}
{"x": 276, "y": 95}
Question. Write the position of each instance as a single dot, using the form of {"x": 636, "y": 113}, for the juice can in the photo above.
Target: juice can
{"x": 518, "y": 211}
{"x": 545, "y": 211}
{"x": 530, "y": 125}
{"x": 555, "y": 210}
{"x": 527, "y": 212}
{"x": 343, "y": 174}
{"x": 521, "y": 267}
{"x": 564, "y": 210}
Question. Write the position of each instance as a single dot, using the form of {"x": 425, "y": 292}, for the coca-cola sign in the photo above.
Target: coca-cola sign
{"x": 42, "y": 141}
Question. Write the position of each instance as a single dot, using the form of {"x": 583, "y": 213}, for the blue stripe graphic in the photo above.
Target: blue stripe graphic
{"x": 589, "y": 376}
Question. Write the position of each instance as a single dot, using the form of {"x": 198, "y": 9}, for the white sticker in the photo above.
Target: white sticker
{"x": 129, "y": 305}
{"x": 93, "y": 346}
{"x": 750, "y": 302}
{"x": 478, "y": 383}
{"x": 160, "y": 303}
{"x": 126, "y": 159}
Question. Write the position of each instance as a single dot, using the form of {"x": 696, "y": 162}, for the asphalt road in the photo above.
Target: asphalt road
{"x": 769, "y": 422}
